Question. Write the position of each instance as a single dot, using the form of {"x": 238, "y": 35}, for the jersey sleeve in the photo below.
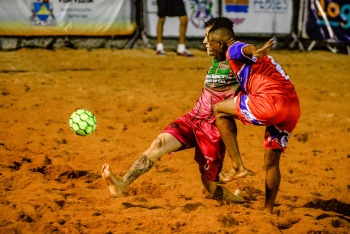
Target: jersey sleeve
{"x": 235, "y": 52}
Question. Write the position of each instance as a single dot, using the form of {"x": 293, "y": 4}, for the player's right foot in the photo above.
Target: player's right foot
{"x": 115, "y": 185}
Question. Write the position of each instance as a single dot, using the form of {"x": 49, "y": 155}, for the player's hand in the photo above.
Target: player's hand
{"x": 262, "y": 51}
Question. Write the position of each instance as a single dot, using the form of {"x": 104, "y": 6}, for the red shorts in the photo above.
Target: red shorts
{"x": 278, "y": 111}
{"x": 205, "y": 138}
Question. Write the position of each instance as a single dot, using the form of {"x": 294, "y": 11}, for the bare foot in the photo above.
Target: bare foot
{"x": 233, "y": 198}
{"x": 115, "y": 185}
{"x": 233, "y": 174}
{"x": 239, "y": 195}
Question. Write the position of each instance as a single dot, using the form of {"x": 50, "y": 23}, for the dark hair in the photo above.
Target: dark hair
{"x": 225, "y": 31}
{"x": 220, "y": 22}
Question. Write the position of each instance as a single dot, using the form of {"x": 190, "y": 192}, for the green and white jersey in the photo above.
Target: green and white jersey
{"x": 219, "y": 85}
{"x": 219, "y": 75}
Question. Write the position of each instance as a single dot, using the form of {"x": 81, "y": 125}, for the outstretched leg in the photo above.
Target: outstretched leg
{"x": 116, "y": 185}
{"x": 164, "y": 143}
{"x": 273, "y": 177}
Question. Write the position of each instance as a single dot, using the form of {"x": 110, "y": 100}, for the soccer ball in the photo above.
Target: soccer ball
{"x": 82, "y": 122}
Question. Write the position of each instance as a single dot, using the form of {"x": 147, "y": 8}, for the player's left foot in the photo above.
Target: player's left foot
{"x": 233, "y": 174}
{"x": 115, "y": 185}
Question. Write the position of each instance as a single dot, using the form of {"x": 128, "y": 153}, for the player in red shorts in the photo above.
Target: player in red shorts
{"x": 197, "y": 130}
{"x": 268, "y": 98}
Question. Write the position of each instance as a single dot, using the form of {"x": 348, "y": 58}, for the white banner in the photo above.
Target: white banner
{"x": 260, "y": 16}
{"x": 198, "y": 13}
{"x": 66, "y": 17}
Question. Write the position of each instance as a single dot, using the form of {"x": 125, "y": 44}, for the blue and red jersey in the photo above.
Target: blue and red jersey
{"x": 246, "y": 69}
{"x": 268, "y": 97}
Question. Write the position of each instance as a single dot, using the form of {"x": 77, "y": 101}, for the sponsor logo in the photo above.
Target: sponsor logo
{"x": 224, "y": 66}
{"x": 42, "y": 14}
{"x": 241, "y": 8}
{"x": 200, "y": 12}
{"x": 237, "y": 5}
{"x": 270, "y": 6}
{"x": 77, "y": 1}
{"x": 337, "y": 13}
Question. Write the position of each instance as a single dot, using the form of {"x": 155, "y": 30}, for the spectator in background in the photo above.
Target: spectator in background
{"x": 172, "y": 8}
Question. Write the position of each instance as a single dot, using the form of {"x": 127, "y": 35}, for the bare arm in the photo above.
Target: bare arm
{"x": 252, "y": 50}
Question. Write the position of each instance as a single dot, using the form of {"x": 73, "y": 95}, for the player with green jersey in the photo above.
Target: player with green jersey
{"x": 220, "y": 75}
{"x": 196, "y": 129}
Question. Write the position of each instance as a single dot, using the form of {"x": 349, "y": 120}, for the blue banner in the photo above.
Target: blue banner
{"x": 328, "y": 20}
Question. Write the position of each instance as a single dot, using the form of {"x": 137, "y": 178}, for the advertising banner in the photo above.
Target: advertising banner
{"x": 328, "y": 20}
{"x": 260, "y": 16}
{"x": 66, "y": 17}
{"x": 198, "y": 12}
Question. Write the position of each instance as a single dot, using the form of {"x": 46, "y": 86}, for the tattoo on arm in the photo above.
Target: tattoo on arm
{"x": 140, "y": 166}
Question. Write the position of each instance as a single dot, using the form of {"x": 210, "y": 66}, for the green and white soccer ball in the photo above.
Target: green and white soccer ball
{"x": 82, "y": 122}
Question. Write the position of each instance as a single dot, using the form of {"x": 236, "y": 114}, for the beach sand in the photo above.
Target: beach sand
{"x": 50, "y": 178}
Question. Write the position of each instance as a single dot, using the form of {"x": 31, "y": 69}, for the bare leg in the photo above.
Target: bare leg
{"x": 273, "y": 177}
{"x": 116, "y": 185}
{"x": 183, "y": 29}
{"x": 228, "y": 131}
{"x": 164, "y": 143}
{"x": 160, "y": 26}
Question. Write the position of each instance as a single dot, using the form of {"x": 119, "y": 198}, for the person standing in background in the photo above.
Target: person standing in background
{"x": 172, "y": 8}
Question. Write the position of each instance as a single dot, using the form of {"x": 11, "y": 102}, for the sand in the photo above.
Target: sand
{"x": 50, "y": 178}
